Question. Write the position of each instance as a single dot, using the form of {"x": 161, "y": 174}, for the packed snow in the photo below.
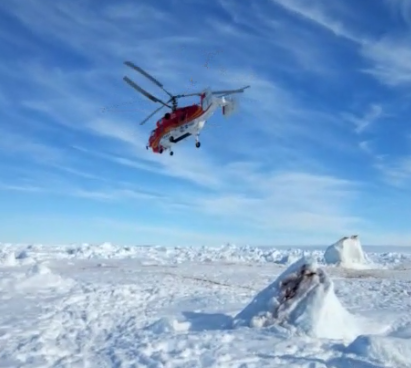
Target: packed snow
{"x": 347, "y": 252}
{"x": 104, "y": 305}
{"x": 303, "y": 298}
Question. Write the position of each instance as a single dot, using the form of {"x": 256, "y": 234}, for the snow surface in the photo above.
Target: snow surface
{"x": 110, "y": 306}
{"x": 347, "y": 252}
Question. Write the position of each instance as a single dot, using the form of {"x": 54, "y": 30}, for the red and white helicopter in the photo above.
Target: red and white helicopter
{"x": 182, "y": 122}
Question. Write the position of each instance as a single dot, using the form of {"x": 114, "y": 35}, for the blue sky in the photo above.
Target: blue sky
{"x": 320, "y": 148}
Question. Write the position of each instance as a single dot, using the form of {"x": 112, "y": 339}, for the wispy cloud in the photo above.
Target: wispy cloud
{"x": 109, "y": 192}
{"x": 19, "y": 188}
{"x": 389, "y": 57}
{"x": 365, "y": 146}
{"x": 12, "y": 143}
{"x": 277, "y": 167}
{"x": 361, "y": 123}
{"x": 396, "y": 171}
{"x": 401, "y": 9}
{"x": 289, "y": 201}
{"x": 316, "y": 12}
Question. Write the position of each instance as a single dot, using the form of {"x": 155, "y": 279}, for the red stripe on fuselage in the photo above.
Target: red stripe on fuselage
{"x": 190, "y": 112}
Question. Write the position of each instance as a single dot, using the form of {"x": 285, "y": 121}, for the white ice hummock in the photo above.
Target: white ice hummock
{"x": 302, "y": 298}
{"x": 346, "y": 252}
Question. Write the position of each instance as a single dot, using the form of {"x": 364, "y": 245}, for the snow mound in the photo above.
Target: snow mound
{"x": 38, "y": 269}
{"x": 39, "y": 276}
{"x": 391, "y": 349}
{"x": 346, "y": 252}
{"x": 8, "y": 259}
{"x": 14, "y": 258}
{"x": 388, "y": 350}
{"x": 301, "y": 299}
{"x": 168, "y": 325}
{"x": 105, "y": 250}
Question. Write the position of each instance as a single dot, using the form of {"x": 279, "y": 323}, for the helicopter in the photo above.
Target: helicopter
{"x": 181, "y": 122}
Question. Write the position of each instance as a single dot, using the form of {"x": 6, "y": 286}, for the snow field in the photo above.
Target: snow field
{"x": 108, "y": 306}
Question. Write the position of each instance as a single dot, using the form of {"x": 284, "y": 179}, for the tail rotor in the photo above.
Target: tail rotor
{"x": 230, "y": 107}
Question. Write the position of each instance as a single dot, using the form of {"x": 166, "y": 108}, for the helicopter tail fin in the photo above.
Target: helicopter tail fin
{"x": 230, "y": 106}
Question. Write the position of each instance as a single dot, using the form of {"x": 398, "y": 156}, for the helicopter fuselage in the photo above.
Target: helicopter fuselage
{"x": 182, "y": 123}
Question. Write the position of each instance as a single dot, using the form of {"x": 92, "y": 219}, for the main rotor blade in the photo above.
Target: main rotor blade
{"x": 137, "y": 68}
{"x": 149, "y": 116}
{"x": 145, "y": 93}
{"x": 229, "y": 91}
{"x": 189, "y": 94}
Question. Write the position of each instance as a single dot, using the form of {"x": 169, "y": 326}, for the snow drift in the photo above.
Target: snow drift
{"x": 302, "y": 299}
{"x": 388, "y": 350}
{"x": 346, "y": 252}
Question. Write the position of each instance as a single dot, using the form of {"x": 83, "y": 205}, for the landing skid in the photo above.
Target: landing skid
{"x": 172, "y": 140}
{"x": 198, "y": 145}
{"x": 180, "y": 138}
